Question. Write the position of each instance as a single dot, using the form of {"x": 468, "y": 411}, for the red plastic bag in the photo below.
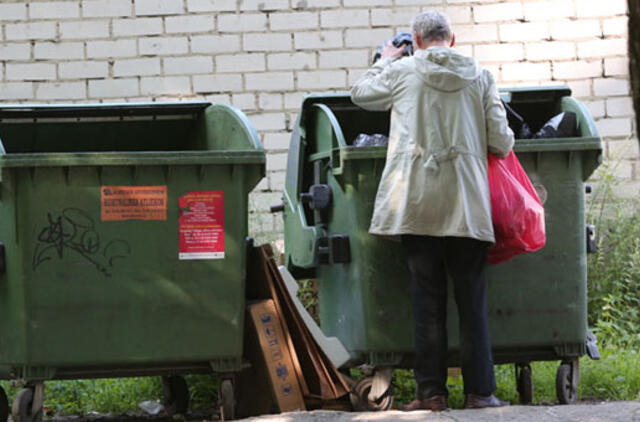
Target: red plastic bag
{"x": 518, "y": 214}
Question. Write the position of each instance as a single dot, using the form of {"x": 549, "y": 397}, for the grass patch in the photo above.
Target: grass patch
{"x": 118, "y": 395}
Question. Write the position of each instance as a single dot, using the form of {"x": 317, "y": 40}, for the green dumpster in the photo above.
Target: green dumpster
{"x": 537, "y": 301}
{"x": 122, "y": 243}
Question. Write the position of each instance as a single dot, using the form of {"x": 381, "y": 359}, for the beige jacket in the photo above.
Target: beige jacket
{"x": 445, "y": 116}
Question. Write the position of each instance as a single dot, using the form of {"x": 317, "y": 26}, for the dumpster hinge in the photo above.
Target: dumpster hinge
{"x": 334, "y": 249}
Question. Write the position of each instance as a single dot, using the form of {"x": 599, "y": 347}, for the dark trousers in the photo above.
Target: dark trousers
{"x": 430, "y": 259}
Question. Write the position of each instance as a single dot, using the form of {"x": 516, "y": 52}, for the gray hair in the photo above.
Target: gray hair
{"x": 432, "y": 26}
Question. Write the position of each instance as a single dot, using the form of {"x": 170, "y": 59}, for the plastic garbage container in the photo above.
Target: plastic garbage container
{"x": 537, "y": 301}
{"x": 122, "y": 243}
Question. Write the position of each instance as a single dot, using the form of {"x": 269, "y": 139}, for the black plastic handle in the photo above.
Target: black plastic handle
{"x": 277, "y": 208}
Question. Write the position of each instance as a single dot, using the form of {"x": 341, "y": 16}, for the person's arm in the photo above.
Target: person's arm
{"x": 373, "y": 91}
{"x": 500, "y": 137}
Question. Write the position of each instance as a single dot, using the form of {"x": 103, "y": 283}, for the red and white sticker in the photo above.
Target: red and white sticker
{"x": 201, "y": 225}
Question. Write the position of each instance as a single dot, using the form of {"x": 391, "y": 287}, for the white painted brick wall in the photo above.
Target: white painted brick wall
{"x": 264, "y": 56}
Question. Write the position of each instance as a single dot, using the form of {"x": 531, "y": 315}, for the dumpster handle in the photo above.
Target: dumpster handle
{"x": 3, "y": 260}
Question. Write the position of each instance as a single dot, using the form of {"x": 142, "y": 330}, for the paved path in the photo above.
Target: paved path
{"x": 598, "y": 412}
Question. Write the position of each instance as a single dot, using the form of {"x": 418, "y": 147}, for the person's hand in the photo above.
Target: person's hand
{"x": 392, "y": 51}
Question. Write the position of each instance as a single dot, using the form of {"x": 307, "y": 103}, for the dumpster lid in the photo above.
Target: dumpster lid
{"x": 18, "y": 111}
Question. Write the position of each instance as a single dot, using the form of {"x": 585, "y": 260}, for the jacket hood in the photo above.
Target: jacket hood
{"x": 445, "y": 69}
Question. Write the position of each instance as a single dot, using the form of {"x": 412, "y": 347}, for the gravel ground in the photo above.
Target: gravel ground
{"x": 599, "y": 412}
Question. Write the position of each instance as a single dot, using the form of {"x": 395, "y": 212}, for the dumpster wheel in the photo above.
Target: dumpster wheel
{"x": 360, "y": 401}
{"x": 567, "y": 378}
{"x": 22, "y": 409}
{"x": 176, "y": 395}
{"x": 524, "y": 383}
{"x": 227, "y": 401}
{"x": 4, "y": 406}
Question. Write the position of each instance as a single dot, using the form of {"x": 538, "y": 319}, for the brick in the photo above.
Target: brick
{"x": 367, "y": 3}
{"x": 317, "y": 40}
{"x": 272, "y": 81}
{"x": 215, "y": 43}
{"x": 465, "y": 50}
{"x": 603, "y": 48}
{"x": 13, "y": 12}
{"x": 217, "y": 98}
{"x": 187, "y": 65}
{"x": 354, "y": 75}
{"x": 314, "y": 4}
{"x": 276, "y": 183}
{"x": 263, "y": 5}
{"x": 596, "y": 108}
{"x": 624, "y": 148}
{"x": 118, "y": 48}
{"x": 608, "y": 87}
{"x": 277, "y": 141}
{"x": 573, "y": 30}
{"x": 211, "y": 5}
{"x": 616, "y": 66}
{"x": 499, "y": 53}
{"x": 84, "y": 29}
{"x": 577, "y": 69}
{"x": 30, "y": 31}
{"x": 16, "y": 90}
{"x": 61, "y": 91}
{"x": 614, "y": 127}
{"x": 21, "y": 51}
{"x": 344, "y": 59}
{"x": 390, "y": 17}
{"x": 615, "y": 26}
{"x": 590, "y": 8}
{"x": 54, "y": 9}
{"x": 294, "y": 20}
{"x": 552, "y": 50}
{"x": 242, "y": 23}
{"x": 366, "y": 37}
{"x": 189, "y": 24}
{"x": 217, "y": 83}
{"x": 30, "y": 71}
{"x": 617, "y": 107}
{"x": 581, "y": 88}
{"x": 83, "y": 70}
{"x": 291, "y": 61}
{"x": 270, "y": 101}
{"x": 136, "y": 67}
{"x": 244, "y": 101}
{"x": 476, "y": 33}
{"x": 113, "y": 88}
{"x": 65, "y": 50}
{"x": 544, "y": 10}
{"x": 322, "y": 79}
{"x": 276, "y": 162}
{"x": 141, "y": 26}
{"x": 241, "y": 63}
{"x": 106, "y": 8}
{"x": 267, "y": 42}
{"x": 163, "y": 45}
{"x": 158, "y": 7}
{"x": 345, "y": 18}
{"x": 498, "y": 12}
{"x": 268, "y": 121}
{"x": 524, "y": 31}
{"x": 457, "y": 14}
{"x": 526, "y": 71}
{"x": 167, "y": 85}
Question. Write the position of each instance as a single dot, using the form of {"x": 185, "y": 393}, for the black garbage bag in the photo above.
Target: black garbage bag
{"x": 563, "y": 125}
{"x": 376, "y": 140}
{"x": 403, "y": 38}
